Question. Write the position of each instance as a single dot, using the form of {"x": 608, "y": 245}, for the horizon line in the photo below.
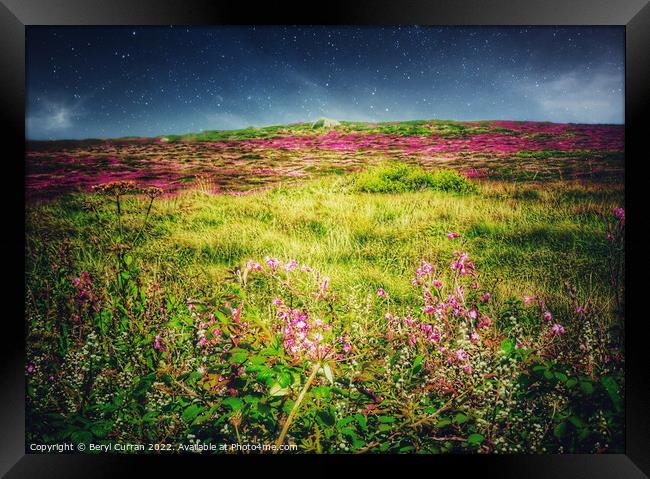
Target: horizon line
{"x": 125, "y": 137}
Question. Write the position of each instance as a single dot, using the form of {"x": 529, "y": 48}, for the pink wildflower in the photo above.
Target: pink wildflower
{"x": 461, "y": 354}
{"x": 277, "y": 302}
{"x": 484, "y": 322}
{"x": 547, "y": 316}
{"x": 325, "y": 284}
{"x": 557, "y": 329}
{"x": 437, "y": 284}
{"x": 451, "y": 235}
{"x": 381, "y": 293}
{"x": 580, "y": 310}
{"x": 620, "y": 214}
{"x": 424, "y": 269}
{"x": 253, "y": 265}
{"x": 272, "y": 263}
{"x": 157, "y": 343}
{"x": 291, "y": 266}
{"x": 462, "y": 264}
{"x": 486, "y": 297}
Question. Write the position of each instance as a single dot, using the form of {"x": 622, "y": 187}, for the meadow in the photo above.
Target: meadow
{"x": 414, "y": 287}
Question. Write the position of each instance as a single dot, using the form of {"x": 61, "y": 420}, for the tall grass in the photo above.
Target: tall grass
{"x": 134, "y": 305}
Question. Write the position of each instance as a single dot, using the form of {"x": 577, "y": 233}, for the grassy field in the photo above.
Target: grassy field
{"x": 392, "y": 309}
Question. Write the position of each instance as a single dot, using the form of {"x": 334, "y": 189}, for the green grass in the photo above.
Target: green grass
{"x": 364, "y": 231}
{"x": 400, "y": 178}
{"x": 535, "y": 238}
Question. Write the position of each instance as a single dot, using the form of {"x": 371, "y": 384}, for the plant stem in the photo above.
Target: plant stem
{"x": 146, "y": 217}
{"x": 296, "y": 406}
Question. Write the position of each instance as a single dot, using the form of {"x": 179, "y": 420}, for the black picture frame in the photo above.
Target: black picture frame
{"x": 15, "y": 15}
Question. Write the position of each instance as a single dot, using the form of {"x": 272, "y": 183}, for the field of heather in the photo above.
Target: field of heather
{"x": 244, "y": 160}
{"x": 404, "y": 287}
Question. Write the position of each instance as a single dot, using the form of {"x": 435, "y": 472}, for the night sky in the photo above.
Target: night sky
{"x": 90, "y": 82}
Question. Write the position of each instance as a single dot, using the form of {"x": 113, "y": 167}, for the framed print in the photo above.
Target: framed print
{"x": 382, "y": 233}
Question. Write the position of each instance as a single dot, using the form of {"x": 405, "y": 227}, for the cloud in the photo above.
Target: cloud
{"x": 580, "y": 96}
{"x": 49, "y": 117}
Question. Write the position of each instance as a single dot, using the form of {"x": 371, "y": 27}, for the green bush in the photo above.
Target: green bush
{"x": 400, "y": 177}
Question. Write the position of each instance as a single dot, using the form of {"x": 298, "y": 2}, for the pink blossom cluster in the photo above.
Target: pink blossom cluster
{"x": 459, "y": 357}
{"x": 304, "y": 337}
{"x": 158, "y": 343}
{"x": 274, "y": 264}
{"x": 208, "y": 333}
{"x": 423, "y": 273}
{"x": 462, "y": 264}
{"x": 414, "y": 330}
{"x": 556, "y": 329}
{"x": 83, "y": 285}
{"x": 85, "y": 297}
{"x": 620, "y": 214}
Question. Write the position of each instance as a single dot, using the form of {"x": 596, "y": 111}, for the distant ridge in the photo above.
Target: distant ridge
{"x": 325, "y": 123}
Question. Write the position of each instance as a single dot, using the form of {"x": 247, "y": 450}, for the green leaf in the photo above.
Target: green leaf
{"x": 609, "y": 383}
{"x": 386, "y": 419}
{"x": 258, "y": 359}
{"x": 577, "y": 422}
{"x": 475, "y": 439}
{"x": 571, "y": 382}
{"x": 284, "y": 379}
{"x": 417, "y": 364}
{"x": 587, "y": 387}
{"x": 322, "y": 391}
{"x": 326, "y": 417}
{"x": 278, "y": 390}
{"x": 507, "y": 346}
{"x": 443, "y": 423}
{"x": 191, "y": 412}
{"x": 81, "y": 437}
{"x": 128, "y": 259}
{"x": 362, "y": 421}
{"x": 460, "y": 418}
{"x": 101, "y": 428}
{"x": 288, "y": 406}
{"x": 233, "y": 403}
{"x": 560, "y": 430}
{"x": 345, "y": 421}
{"x": 561, "y": 377}
{"x": 357, "y": 443}
{"x": 238, "y": 356}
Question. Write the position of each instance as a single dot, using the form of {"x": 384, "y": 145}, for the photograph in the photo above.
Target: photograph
{"x": 325, "y": 239}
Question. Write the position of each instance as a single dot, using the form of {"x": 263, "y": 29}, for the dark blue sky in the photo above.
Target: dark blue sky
{"x": 117, "y": 81}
